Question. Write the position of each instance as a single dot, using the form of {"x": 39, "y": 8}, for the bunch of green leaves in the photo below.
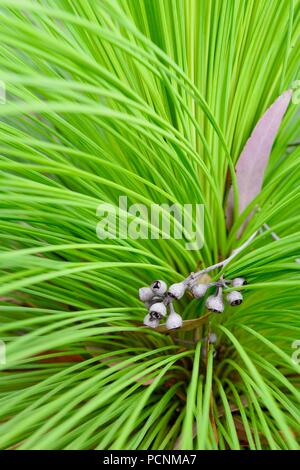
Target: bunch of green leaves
{"x": 154, "y": 100}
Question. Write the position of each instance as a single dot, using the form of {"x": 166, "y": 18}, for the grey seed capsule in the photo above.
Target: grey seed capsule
{"x": 199, "y": 290}
{"x": 152, "y": 322}
{"x": 174, "y": 320}
{"x": 234, "y": 298}
{"x": 145, "y": 294}
{"x": 176, "y": 291}
{"x": 157, "y": 311}
{"x": 159, "y": 287}
{"x": 215, "y": 303}
{"x": 239, "y": 281}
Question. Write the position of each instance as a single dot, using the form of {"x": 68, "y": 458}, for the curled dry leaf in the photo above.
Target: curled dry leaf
{"x": 254, "y": 158}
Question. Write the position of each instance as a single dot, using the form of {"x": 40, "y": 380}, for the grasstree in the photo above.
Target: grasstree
{"x": 175, "y": 102}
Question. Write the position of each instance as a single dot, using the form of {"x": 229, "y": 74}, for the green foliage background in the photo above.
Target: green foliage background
{"x": 152, "y": 99}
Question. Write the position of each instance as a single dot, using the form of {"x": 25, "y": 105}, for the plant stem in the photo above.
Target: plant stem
{"x": 194, "y": 276}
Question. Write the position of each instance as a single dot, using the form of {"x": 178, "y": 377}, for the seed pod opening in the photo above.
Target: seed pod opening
{"x": 234, "y": 298}
{"x": 152, "y": 322}
{"x": 215, "y": 303}
{"x": 157, "y": 311}
{"x": 159, "y": 287}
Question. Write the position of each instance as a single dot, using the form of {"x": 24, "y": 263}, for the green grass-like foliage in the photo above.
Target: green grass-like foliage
{"x": 152, "y": 99}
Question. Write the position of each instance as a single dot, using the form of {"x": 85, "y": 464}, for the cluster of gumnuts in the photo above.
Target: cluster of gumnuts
{"x": 158, "y": 298}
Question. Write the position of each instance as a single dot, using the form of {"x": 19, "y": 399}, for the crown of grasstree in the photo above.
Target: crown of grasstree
{"x": 154, "y": 100}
